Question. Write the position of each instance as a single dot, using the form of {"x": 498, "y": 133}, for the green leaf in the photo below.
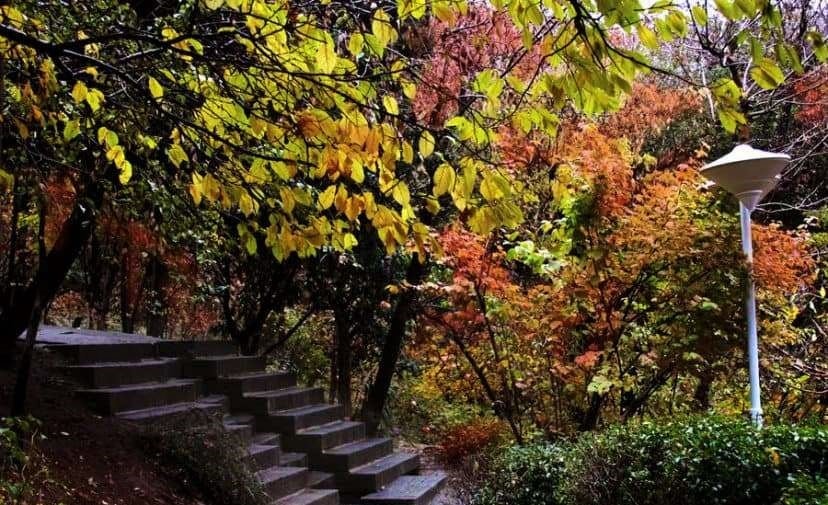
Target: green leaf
{"x": 727, "y": 8}
{"x": 767, "y": 74}
{"x": 699, "y": 15}
{"x": 71, "y": 130}
{"x": 647, "y": 37}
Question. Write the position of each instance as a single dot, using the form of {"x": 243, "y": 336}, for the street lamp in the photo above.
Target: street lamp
{"x": 749, "y": 174}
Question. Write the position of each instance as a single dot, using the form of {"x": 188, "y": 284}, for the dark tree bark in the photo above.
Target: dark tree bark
{"x": 21, "y": 386}
{"x": 156, "y": 322}
{"x": 342, "y": 353}
{"x": 73, "y": 235}
{"x": 378, "y": 391}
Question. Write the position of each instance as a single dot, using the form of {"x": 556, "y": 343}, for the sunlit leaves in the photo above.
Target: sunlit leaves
{"x": 71, "y": 129}
{"x": 767, "y": 74}
{"x": 444, "y": 178}
{"x": 426, "y": 144}
{"x": 155, "y": 88}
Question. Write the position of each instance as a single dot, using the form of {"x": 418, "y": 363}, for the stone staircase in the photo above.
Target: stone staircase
{"x": 304, "y": 451}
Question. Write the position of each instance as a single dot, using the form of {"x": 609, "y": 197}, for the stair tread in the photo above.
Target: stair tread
{"x": 323, "y": 429}
{"x": 255, "y": 448}
{"x": 239, "y": 419}
{"x": 265, "y": 438}
{"x": 278, "y": 472}
{"x": 384, "y": 463}
{"x": 408, "y": 489}
{"x": 225, "y": 357}
{"x": 291, "y": 458}
{"x": 352, "y": 447}
{"x": 306, "y": 409}
{"x": 306, "y": 497}
{"x": 143, "y": 386}
{"x": 130, "y": 364}
{"x": 316, "y": 477}
{"x": 278, "y": 392}
{"x": 137, "y": 415}
{"x": 255, "y": 375}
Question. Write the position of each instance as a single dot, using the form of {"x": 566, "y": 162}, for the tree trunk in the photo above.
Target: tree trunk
{"x": 343, "y": 362}
{"x": 377, "y": 396}
{"x": 593, "y": 413}
{"x": 156, "y": 323}
{"x": 70, "y": 241}
{"x": 21, "y": 385}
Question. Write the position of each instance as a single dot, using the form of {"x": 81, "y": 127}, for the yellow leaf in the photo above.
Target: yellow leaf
{"x": 177, "y": 155}
{"x": 390, "y": 104}
{"x": 288, "y": 200}
{"x": 94, "y": 97}
{"x": 426, "y": 144}
{"x": 407, "y": 153}
{"x": 355, "y": 44}
{"x": 401, "y": 194}
{"x": 79, "y": 92}
{"x": 196, "y": 188}
{"x": 155, "y": 88}
{"x": 126, "y": 172}
{"x": 443, "y": 179}
{"x": 326, "y": 197}
{"x": 326, "y": 57}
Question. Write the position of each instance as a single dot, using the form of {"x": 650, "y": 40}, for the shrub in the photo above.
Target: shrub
{"x": 806, "y": 490}
{"x": 474, "y": 437}
{"x": 22, "y": 467}
{"x": 699, "y": 461}
{"x": 200, "y": 450}
{"x": 528, "y": 475}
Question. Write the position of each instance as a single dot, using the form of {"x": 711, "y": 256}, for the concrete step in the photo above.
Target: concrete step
{"x": 167, "y": 413}
{"x": 103, "y": 375}
{"x": 88, "y": 354}
{"x": 408, "y": 490}
{"x": 282, "y": 399}
{"x": 321, "y": 480}
{"x": 253, "y": 382}
{"x": 189, "y": 348}
{"x": 280, "y": 481}
{"x": 260, "y": 457}
{"x": 108, "y": 401}
{"x": 343, "y": 458}
{"x": 211, "y": 367}
{"x": 292, "y": 420}
{"x": 293, "y": 459}
{"x": 319, "y": 438}
{"x": 310, "y": 497}
{"x": 266, "y": 438}
{"x": 372, "y": 477}
{"x": 244, "y": 432}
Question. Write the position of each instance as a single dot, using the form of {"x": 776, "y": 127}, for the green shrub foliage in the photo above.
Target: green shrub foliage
{"x": 200, "y": 450}
{"x": 699, "y": 461}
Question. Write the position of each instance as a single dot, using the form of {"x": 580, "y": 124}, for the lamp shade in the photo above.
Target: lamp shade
{"x": 747, "y": 173}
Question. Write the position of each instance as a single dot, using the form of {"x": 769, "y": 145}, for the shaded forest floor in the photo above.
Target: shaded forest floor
{"x": 87, "y": 459}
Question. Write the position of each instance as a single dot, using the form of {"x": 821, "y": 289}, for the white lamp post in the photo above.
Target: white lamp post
{"x": 749, "y": 174}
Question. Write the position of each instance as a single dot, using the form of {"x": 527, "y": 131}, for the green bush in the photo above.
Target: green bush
{"x": 199, "y": 450}
{"x": 699, "y": 461}
{"x": 525, "y": 475}
{"x": 22, "y": 468}
{"x": 806, "y": 490}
